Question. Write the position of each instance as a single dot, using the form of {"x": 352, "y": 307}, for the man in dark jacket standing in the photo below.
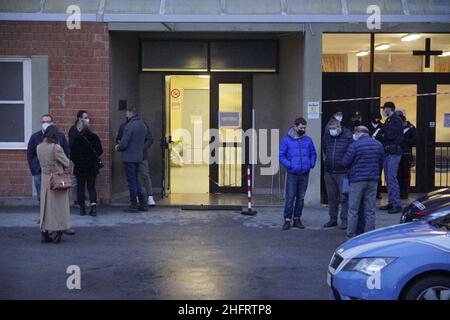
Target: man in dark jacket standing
{"x": 132, "y": 145}
{"x": 335, "y": 144}
{"x": 374, "y": 127}
{"x": 364, "y": 160}
{"x": 404, "y": 168}
{"x": 74, "y": 131}
{"x": 33, "y": 161}
{"x": 145, "y": 180}
{"x": 298, "y": 155}
{"x": 391, "y": 135}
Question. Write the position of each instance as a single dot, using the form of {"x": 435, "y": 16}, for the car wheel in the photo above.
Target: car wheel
{"x": 429, "y": 288}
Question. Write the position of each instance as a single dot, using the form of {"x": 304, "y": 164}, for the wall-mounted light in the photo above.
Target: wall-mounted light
{"x": 445, "y": 54}
{"x": 362, "y": 53}
{"x": 411, "y": 37}
{"x": 382, "y": 46}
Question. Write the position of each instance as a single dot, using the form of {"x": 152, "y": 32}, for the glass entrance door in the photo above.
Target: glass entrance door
{"x": 442, "y": 145}
{"x": 431, "y": 116}
{"x": 231, "y": 116}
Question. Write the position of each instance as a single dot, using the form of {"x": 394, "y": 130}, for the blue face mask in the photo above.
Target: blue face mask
{"x": 333, "y": 132}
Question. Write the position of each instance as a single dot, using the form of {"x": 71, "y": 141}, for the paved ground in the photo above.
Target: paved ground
{"x": 168, "y": 253}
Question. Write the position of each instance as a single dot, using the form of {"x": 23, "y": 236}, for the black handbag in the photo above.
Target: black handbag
{"x": 99, "y": 161}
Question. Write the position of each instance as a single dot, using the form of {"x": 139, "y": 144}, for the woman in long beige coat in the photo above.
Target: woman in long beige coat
{"x": 55, "y": 207}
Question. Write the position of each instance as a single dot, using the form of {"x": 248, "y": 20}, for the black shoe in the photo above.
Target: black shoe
{"x": 69, "y": 232}
{"x": 330, "y": 224}
{"x": 386, "y": 207}
{"x": 93, "y": 211}
{"x": 286, "y": 225}
{"x": 82, "y": 210}
{"x": 343, "y": 226}
{"x": 133, "y": 208}
{"x": 45, "y": 237}
{"x": 57, "y": 237}
{"x": 298, "y": 224}
{"x": 395, "y": 210}
{"x": 142, "y": 207}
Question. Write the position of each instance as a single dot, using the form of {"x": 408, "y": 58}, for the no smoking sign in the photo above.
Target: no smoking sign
{"x": 175, "y": 93}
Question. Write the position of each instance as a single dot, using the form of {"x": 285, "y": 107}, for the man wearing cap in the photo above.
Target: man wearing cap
{"x": 391, "y": 135}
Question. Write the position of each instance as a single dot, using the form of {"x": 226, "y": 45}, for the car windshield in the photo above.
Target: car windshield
{"x": 441, "y": 222}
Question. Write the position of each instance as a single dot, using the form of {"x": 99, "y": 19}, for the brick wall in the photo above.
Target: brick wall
{"x": 78, "y": 79}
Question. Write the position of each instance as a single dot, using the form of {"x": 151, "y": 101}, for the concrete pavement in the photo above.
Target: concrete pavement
{"x": 168, "y": 253}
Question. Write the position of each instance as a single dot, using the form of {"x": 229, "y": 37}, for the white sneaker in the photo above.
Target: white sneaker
{"x": 151, "y": 201}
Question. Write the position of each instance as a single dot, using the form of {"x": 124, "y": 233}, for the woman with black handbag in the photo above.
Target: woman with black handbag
{"x": 55, "y": 185}
{"x": 85, "y": 153}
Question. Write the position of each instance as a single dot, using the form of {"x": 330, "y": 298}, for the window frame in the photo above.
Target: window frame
{"x": 27, "y": 103}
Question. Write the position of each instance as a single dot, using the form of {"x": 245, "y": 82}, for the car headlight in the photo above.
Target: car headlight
{"x": 368, "y": 266}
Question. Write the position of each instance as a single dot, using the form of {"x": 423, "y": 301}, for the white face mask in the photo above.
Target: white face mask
{"x": 86, "y": 121}
{"x": 355, "y": 137}
{"x": 338, "y": 118}
{"x": 334, "y": 132}
{"x": 45, "y": 125}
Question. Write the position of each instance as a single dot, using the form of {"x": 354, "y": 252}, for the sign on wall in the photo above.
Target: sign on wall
{"x": 446, "y": 120}
{"x": 229, "y": 119}
{"x": 314, "y": 110}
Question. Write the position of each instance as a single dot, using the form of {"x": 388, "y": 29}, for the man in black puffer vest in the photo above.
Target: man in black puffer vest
{"x": 335, "y": 144}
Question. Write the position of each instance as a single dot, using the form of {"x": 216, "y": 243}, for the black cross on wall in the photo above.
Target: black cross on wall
{"x": 427, "y": 52}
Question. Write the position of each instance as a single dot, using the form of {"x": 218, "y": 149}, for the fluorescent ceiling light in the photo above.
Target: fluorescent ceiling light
{"x": 411, "y": 37}
{"x": 382, "y": 46}
{"x": 362, "y": 53}
{"x": 445, "y": 54}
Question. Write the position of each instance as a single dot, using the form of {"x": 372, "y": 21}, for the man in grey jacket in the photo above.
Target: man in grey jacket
{"x": 131, "y": 145}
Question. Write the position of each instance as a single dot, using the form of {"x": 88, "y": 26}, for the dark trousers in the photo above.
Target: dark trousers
{"x": 132, "y": 173}
{"x": 82, "y": 181}
{"x": 296, "y": 185}
{"x": 404, "y": 175}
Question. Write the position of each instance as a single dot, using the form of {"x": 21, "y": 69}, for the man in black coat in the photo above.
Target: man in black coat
{"x": 391, "y": 135}
{"x": 74, "y": 131}
{"x": 335, "y": 144}
{"x": 374, "y": 127}
{"x": 404, "y": 168}
{"x": 85, "y": 152}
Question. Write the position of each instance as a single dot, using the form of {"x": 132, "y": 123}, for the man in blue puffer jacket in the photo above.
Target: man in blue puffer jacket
{"x": 364, "y": 160}
{"x": 298, "y": 155}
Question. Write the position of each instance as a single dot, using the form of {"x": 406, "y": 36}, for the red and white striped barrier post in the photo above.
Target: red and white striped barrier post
{"x": 249, "y": 211}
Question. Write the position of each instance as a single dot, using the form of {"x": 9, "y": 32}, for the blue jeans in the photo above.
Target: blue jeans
{"x": 390, "y": 166}
{"x": 37, "y": 186}
{"x": 296, "y": 185}
{"x": 132, "y": 173}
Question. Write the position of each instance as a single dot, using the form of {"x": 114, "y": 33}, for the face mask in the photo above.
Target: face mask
{"x": 86, "y": 121}
{"x": 355, "y": 137}
{"x": 45, "y": 125}
{"x": 300, "y": 132}
{"x": 338, "y": 118}
{"x": 386, "y": 113}
{"x": 333, "y": 132}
